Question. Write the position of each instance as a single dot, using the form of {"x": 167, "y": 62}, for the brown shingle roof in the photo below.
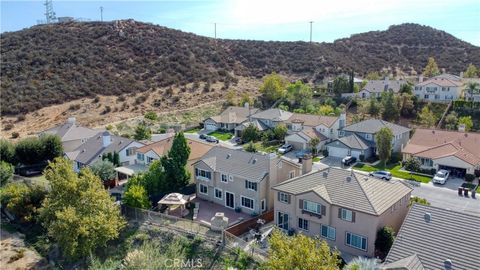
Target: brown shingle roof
{"x": 234, "y": 115}
{"x": 441, "y": 81}
{"x": 312, "y": 120}
{"x": 435, "y": 144}
{"x": 161, "y": 148}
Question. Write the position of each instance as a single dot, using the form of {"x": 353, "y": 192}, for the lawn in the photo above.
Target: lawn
{"x": 193, "y": 130}
{"x": 394, "y": 169}
{"x": 316, "y": 159}
{"x": 222, "y": 136}
{"x": 265, "y": 148}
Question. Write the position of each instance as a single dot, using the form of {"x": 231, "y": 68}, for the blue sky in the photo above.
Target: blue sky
{"x": 265, "y": 19}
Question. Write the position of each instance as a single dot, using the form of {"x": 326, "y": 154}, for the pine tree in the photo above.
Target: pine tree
{"x": 391, "y": 110}
{"x": 176, "y": 160}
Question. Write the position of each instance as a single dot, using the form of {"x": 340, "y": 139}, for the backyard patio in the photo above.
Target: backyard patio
{"x": 207, "y": 210}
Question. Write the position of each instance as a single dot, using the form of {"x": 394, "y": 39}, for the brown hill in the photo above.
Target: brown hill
{"x": 51, "y": 64}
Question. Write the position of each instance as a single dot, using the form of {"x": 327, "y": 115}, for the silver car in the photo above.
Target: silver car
{"x": 381, "y": 174}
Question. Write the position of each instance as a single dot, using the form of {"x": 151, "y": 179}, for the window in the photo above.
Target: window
{"x": 437, "y": 96}
{"x": 140, "y": 156}
{"x": 347, "y": 215}
{"x": 356, "y": 241}
{"x": 150, "y": 159}
{"x": 130, "y": 151}
{"x": 368, "y": 136}
{"x": 206, "y": 175}
{"x": 303, "y": 224}
{"x": 218, "y": 193}
{"x": 341, "y": 133}
{"x": 283, "y": 197}
{"x": 328, "y": 232}
{"x": 312, "y": 207}
{"x": 444, "y": 89}
{"x": 224, "y": 178}
{"x": 263, "y": 204}
{"x": 291, "y": 174}
{"x": 203, "y": 189}
{"x": 247, "y": 202}
{"x": 282, "y": 220}
{"x": 426, "y": 96}
{"x": 250, "y": 185}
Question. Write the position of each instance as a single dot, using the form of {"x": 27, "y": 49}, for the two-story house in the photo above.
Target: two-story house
{"x": 343, "y": 207}
{"x": 359, "y": 139}
{"x": 230, "y": 118}
{"x": 71, "y": 134}
{"x": 103, "y": 143}
{"x": 375, "y": 88}
{"x": 442, "y": 88}
{"x": 302, "y": 128}
{"x": 242, "y": 180}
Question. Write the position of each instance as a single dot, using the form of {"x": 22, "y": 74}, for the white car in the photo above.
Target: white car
{"x": 381, "y": 174}
{"x": 441, "y": 177}
{"x": 285, "y": 148}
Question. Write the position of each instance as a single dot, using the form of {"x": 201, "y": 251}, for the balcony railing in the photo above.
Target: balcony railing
{"x": 306, "y": 212}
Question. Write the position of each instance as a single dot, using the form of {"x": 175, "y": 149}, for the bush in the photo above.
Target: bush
{"x": 384, "y": 241}
{"x": 251, "y": 148}
{"x": 104, "y": 169}
{"x": 412, "y": 164}
{"x": 395, "y": 158}
{"x": 151, "y": 116}
{"x": 21, "y": 118}
{"x": 8, "y": 126}
{"x": 361, "y": 157}
{"x": 23, "y": 200}
{"x": 469, "y": 177}
{"x": 325, "y": 153}
{"x": 15, "y": 135}
{"x": 6, "y": 172}
{"x": 418, "y": 200}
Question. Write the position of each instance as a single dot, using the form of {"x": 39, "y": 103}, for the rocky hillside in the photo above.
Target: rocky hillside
{"x": 51, "y": 64}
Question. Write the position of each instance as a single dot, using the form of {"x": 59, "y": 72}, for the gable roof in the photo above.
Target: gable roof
{"x": 273, "y": 115}
{"x": 160, "y": 147}
{"x": 448, "y": 235}
{"x": 361, "y": 193}
{"x": 252, "y": 166}
{"x": 93, "y": 147}
{"x": 70, "y": 131}
{"x": 379, "y": 86}
{"x": 353, "y": 142}
{"x": 309, "y": 133}
{"x": 234, "y": 115}
{"x": 442, "y": 81}
{"x": 312, "y": 120}
{"x": 372, "y": 126}
{"x": 434, "y": 144}
{"x": 411, "y": 262}
{"x": 261, "y": 126}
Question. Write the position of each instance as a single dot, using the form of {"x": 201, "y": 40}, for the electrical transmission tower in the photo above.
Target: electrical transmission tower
{"x": 49, "y": 13}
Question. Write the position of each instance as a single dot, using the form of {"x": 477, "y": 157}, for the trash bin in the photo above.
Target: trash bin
{"x": 473, "y": 193}
{"x": 465, "y": 192}
{"x": 460, "y": 191}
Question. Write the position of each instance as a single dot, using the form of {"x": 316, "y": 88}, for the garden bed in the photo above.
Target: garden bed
{"x": 395, "y": 169}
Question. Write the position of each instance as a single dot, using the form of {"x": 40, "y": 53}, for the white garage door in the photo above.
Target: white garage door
{"x": 337, "y": 151}
{"x": 210, "y": 126}
{"x": 356, "y": 153}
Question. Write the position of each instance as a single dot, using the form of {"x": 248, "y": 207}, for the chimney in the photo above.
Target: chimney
{"x": 342, "y": 120}
{"x": 420, "y": 78}
{"x": 307, "y": 162}
{"x": 71, "y": 120}
{"x": 106, "y": 138}
{"x": 461, "y": 127}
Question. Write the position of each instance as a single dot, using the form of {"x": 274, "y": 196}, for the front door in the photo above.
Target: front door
{"x": 229, "y": 199}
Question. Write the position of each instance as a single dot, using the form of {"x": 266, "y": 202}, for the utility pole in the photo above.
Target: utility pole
{"x": 49, "y": 13}
{"x": 311, "y": 23}
{"x": 215, "y": 30}
{"x": 101, "y": 14}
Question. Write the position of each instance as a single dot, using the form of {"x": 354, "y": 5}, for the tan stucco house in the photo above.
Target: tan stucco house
{"x": 229, "y": 119}
{"x": 458, "y": 152}
{"x": 343, "y": 207}
{"x": 241, "y": 180}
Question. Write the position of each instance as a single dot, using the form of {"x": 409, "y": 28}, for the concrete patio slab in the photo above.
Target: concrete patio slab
{"x": 208, "y": 209}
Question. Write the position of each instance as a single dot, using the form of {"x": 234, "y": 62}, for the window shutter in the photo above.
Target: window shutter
{"x": 339, "y": 212}
{"x": 289, "y": 198}
{"x": 246, "y": 184}
{"x": 353, "y": 216}
{"x": 278, "y": 196}
{"x": 300, "y": 204}
{"x": 324, "y": 210}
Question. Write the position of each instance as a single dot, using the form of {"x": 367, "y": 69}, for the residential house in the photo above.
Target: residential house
{"x": 359, "y": 139}
{"x": 343, "y": 207}
{"x": 303, "y": 127}
{"x": 230, "y": 118}
{"x": 242, "y": 180}
{"x": 104, "y": 143}
{"x": 458, "y": 152}
{"x": 442, "y": 88}
{"x": 356, "y": 81}
{"x": 71, "y": 134}
{"x": 264, "y": 120}
{"x": 375, "y": 88}
{"x": 433, "y": 238}
{"x": 147, "y": 154}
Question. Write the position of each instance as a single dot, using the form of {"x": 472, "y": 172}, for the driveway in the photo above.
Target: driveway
{"x": 228, "y": 144}
{"x": 335, "y": 162}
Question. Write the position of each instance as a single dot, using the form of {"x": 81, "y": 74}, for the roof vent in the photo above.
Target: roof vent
{"x": 428, "y": 217}
{"x": 447, "y": 264}
{"x": 229, "y": 155}
{"x": 325, "y": 174}
{"x": 349, "y": 178}
{"x": 254, "y": 161}
{"x": 365, "y": 178}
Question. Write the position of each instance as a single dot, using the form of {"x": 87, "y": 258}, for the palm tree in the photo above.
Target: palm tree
{"x": 472, "y": 88}
{"x": 361, "y": 263}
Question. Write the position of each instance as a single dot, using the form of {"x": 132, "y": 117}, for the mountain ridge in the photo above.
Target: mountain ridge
{"x": 50, "y": 64}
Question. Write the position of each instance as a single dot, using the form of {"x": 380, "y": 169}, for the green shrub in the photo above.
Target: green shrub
{"x": 412, "y": 164}
{"x": 151, "y": 116}
{"x": 361, "y": 157}
{"x": 325, "y": 153}
{"x": 22, "y": 200}
{"x": 469, "y": 177}
{"x": 384, "y": 241}
{"x": 6, "y": 172}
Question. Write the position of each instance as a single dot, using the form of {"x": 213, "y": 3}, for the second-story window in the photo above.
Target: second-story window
{"x": 283, "y": 197}
{"x": 346, "y": 214}
{"x": 203, "y": 174}
{"x": 312, "y": 207}
{"x": 368, "y": 136}
{"x": 250, "y": 185}
{"x": 140, "y": 156}
{"x": 224, "y": 178}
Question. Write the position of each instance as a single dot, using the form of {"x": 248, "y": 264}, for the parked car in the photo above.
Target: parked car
{"x": 211, "y": 139}
{"x": 239, "y": 141}
{"x": 349, "y": 160}
{"x": 441, "y": 177}
{"x": 285, "y": 148}
{"x": 381, "y": 174}
{"x": 203, "y": 136}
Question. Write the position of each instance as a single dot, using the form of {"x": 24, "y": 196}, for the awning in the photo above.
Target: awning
{"x": 175, "y": 199}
